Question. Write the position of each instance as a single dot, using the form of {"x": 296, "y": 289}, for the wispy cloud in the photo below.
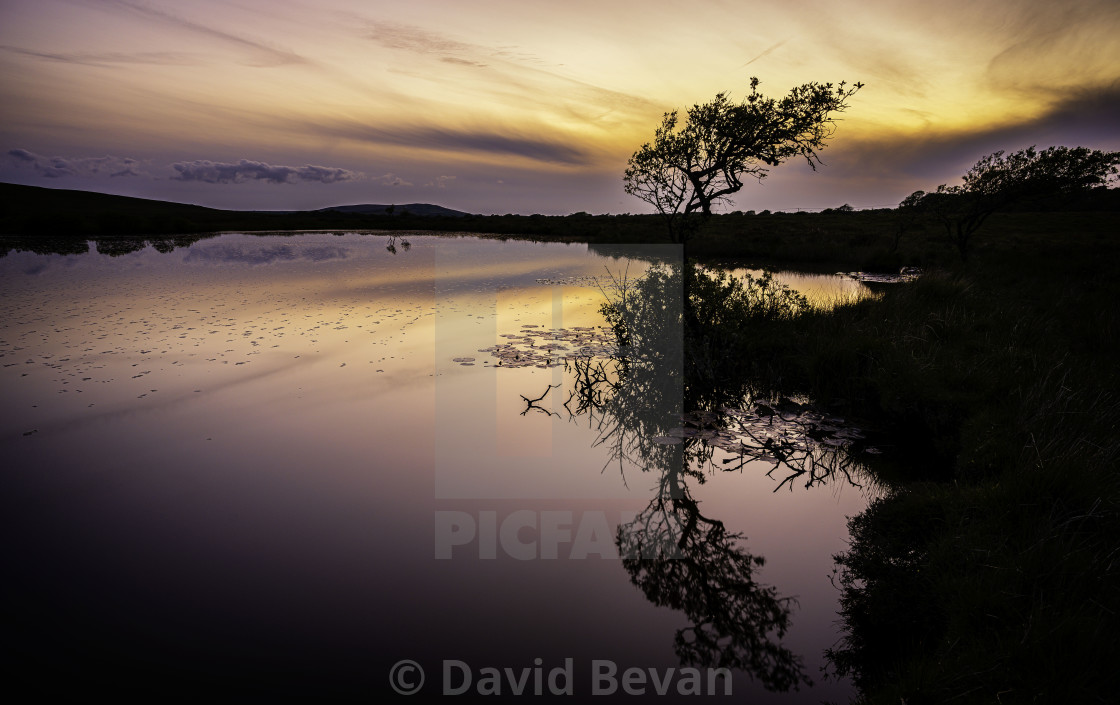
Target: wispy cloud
{"x": 411, "y": 38}
{"x": 55, "y": 167}
{"x": 246, "y": 170}
{"x": 767, "y": 50}
{"x": 462, "y": 62}
{"x": 1057, "y": 45}
{"x": 264, "y": 54}
{"x": 439, "y": 182}
{"x": 394, "y": 35}
{"x": 105, "y": 58}
{"x": 391, "y": 180}
{"x": 507, "y": 75}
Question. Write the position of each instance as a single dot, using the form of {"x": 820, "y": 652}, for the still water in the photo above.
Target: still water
{"x": 272, "y": 466}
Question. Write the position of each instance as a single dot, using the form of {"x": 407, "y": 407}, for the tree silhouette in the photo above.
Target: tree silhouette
{"x": 691, "y": 167}
{"x": 909, "y": 212}
{"x": 997, "y": 182}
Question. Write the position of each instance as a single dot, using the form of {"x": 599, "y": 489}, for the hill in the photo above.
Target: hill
{"x": 420, "y": 209}
{"x": 30, "y": 210}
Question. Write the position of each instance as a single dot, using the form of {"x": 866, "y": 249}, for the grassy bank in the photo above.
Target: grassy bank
{"x": 991, "y": 572}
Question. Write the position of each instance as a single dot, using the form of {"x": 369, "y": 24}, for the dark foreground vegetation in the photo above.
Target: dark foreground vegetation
{"x": 990, "y": 570}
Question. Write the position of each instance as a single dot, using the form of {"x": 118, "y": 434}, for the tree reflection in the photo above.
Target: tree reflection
{"x": 118, "y": 245}
{"x": 666, "y": 364}
{"x": 111, "y": 245}
{"x": 681, "y": 559}
{"x": 678, "y": 557}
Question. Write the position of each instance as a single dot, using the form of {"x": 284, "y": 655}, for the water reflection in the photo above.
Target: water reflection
{"x": 686, "y": 561}
{"x": 633, "y": 393}
{"x": 261, "y": 254}
{"x": 233, "y": 452}
{"x": 111, "y": 245}
{"x": 823, "y": 290}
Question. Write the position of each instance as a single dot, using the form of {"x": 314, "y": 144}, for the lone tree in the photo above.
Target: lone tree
{"x": 997, "y": 182}
{"x": 690, "y": 167}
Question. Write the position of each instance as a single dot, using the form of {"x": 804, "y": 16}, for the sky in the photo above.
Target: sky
{"x": 527, "y": 106}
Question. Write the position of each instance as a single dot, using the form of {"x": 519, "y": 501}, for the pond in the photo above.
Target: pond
{"x": 283, "y": 465}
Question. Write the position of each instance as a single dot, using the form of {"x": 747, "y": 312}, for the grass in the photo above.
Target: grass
{"x": 991, "y": 572}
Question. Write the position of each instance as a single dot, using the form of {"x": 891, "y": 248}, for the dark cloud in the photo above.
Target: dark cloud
{"x": 246, "y": 170}
{"x": 55, "y": 167}
{"x": 462, "y": 62}
{"x": 508, "y": 143}
{"x": 499, "y": 143}
{"x": 1089, "y": 112}
{"x": 199, "y": 170}
{"x": 410, "y": 38}
{"x": 236, "y": 254}
{"x": 1077, "y": 118}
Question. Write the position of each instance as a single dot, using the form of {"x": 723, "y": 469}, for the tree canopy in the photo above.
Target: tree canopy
{"x": 693, "y": 165}
{"x": 998, "y": 181}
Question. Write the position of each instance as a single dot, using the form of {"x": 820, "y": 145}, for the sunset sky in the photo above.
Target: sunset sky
{"x": 526, "y": 106}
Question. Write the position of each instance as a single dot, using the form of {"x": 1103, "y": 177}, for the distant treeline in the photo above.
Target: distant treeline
{"x": 62, "y": 221}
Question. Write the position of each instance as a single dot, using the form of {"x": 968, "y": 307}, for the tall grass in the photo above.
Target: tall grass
{"x": 993, "y": 574}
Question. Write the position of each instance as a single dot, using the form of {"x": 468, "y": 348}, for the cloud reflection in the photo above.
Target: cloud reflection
{"x": 236, "y": 254}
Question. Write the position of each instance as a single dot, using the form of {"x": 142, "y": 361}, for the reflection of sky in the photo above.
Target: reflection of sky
{"x": 256, "y": 452}
{"x": 820, "y": 289}
{"x": 219, "y": 252}
{"x": 499, "y": 107}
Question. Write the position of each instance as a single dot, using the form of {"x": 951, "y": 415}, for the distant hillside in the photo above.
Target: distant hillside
{"x": 15, "y": 199}
{"x": 34, "y": 209}
{"x": 421, "y": 209}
